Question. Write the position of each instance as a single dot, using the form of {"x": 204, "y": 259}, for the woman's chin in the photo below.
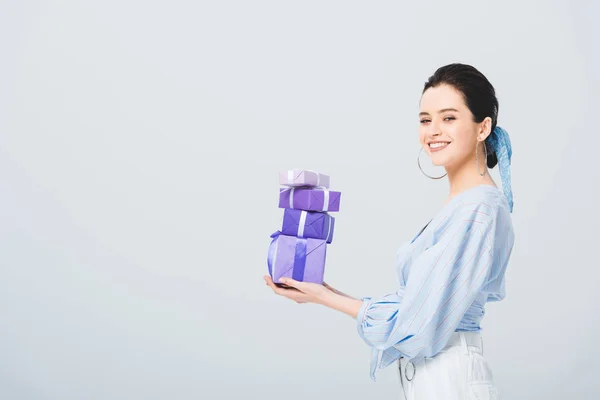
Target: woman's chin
{"x": 439, "y": 163}
{"x": 439, "y": 160}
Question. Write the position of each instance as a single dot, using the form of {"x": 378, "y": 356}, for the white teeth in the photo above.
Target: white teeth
{"x": 436, "y": 145}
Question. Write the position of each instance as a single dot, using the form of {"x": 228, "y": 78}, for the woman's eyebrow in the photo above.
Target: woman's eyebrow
{"x": 440, "y": 111}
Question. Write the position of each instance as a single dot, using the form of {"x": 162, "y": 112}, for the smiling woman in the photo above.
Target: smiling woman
{"x": 461, "y": 100}
{"x": 456, "y": 264}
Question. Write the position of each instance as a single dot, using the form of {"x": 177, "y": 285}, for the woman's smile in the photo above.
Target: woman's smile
{"x": 438, "y": 146}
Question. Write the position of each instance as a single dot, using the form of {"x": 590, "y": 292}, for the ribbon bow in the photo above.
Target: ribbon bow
{"x": 500, "y": 143}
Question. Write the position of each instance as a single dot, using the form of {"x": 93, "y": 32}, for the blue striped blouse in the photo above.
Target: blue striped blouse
{"x": 446, "y": 275}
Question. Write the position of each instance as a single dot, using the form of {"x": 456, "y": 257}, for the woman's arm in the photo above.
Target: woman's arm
{"x": 306, "y": 292}
{"x": 334, "y": 290}
{"x": 443, "y": 283}
{"x": 344, "y": 303}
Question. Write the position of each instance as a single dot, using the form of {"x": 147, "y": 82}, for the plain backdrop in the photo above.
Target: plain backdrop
{"x": 140, "y": 145}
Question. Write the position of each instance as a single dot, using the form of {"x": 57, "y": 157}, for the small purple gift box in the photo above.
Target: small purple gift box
{"x": 297, "y": 258}
{"x": 303, "y": 177}
{"x": 308, "y": 224}
{"x": 309, "y": 199}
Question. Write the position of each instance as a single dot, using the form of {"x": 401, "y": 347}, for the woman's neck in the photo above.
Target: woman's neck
{"x": 466, "y": 177}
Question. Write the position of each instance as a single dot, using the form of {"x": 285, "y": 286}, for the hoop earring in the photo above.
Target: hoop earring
{"x": 477, "y": 157}
{"x": 424, "y": 173}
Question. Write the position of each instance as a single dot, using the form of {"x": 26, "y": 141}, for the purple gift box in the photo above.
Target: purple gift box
{"x": 303, "y": 177}
{"x": 297, "y": 258}
{"x": 308, "y": 224}
{"x": 309, "y": 199}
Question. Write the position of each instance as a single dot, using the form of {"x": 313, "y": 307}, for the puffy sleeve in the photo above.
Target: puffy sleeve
{"x": 418, "y": 320}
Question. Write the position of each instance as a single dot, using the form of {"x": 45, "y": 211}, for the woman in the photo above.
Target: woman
{"x": 431, "y": 325}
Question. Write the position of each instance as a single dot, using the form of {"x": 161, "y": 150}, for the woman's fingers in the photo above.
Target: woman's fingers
{"x": 291, "y": 282}
{"x": 290, "y": 292}
{"x": 278, "y": 289}
{"x": 271, "y": 284}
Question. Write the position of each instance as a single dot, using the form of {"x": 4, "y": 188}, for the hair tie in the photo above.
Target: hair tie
{"x": 500, "y": 144}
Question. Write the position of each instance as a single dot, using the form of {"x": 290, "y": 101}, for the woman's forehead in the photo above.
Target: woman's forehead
{"x": 441, "y": 97}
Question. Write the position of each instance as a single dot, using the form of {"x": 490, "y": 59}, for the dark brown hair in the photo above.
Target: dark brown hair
{"x": 477, "y": 92}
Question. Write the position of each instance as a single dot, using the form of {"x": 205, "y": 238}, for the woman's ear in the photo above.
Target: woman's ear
{"x": 485, "y": 128}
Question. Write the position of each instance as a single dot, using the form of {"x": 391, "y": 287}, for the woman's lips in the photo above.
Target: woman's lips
{"x": 434, "y": 149}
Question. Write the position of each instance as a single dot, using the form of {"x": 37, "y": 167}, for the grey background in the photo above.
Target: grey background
{"x": 139, "y": 149}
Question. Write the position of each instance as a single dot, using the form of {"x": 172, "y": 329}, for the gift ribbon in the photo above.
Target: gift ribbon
{"x": 272, "y": 255}
{"x": 292, "y": 178}
{"x": 328, "y": 239}
{"x": 302, "y": 225}
{"x": 325, "y": 196}
{"x": 325, "y": 199}
{"x": 299, "y": 260}
{"x": 299, "y": 257}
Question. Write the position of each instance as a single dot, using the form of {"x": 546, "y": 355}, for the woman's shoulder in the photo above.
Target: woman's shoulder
{"x": 478, "y": 206}
{"x": 484, "y": 203}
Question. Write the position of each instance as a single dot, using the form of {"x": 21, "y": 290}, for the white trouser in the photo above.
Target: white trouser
{"x": 458, "y": 372}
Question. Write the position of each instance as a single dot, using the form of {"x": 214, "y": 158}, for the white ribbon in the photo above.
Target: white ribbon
{"x": 325, "y": 199}
{"x": 275, "y": 258}
{"x": 318, "y": 177}
{"x": 291, "y": 173}
{"x": 329, "y": 228}
{"x": 325, "y": 196}
{"x": 302, "y": 223}
{"x": 292, "y": 198}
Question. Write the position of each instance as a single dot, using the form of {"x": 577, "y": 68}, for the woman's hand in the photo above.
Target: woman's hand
{"x": 300, "y": 292}
{"x": 306, "y": 292}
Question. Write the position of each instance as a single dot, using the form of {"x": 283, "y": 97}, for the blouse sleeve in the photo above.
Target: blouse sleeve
{"x": 443, "y": 283}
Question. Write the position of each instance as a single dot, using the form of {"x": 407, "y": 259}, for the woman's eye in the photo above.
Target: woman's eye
{"x": 449, "y": 118}
{"x": 424, "y": 120}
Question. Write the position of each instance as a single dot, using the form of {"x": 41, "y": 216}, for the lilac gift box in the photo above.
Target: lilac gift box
{"x": 300, "y": 259}
{"x": 303, "y": 177}
{"x": 309, "y": 199}
{"x": 308, "y": 224}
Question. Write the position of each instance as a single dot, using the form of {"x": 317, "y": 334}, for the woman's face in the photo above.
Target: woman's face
{"x": 444, "y": 117}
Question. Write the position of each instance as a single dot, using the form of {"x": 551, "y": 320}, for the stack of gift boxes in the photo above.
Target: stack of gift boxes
{"x": 298, "y": 251}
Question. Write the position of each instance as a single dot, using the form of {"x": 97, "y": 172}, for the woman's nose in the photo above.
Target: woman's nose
{"x": 434, "y": 130}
